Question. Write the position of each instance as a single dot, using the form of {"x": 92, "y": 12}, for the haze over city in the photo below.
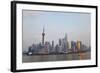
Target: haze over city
{"x": 77, "y": 26}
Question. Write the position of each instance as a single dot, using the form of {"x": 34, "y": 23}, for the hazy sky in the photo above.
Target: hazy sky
{"x": 77, "y": 26}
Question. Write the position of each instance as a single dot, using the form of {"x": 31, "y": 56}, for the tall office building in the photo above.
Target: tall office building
{"x": 64, "y": 44}
{"x": 66, "y": 39}
{"x": 68, "y": 45}
{"x": 52, "y": 44}
{"x": 30, "y": 49}
{"x": 59, "y": 42}
{"x": 73, "y": 46}
{"x": 43, "y": 34}
{"x": 79, "y": 45}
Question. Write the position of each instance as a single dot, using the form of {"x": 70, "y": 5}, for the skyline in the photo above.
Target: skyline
{"x": 57, "y": 24}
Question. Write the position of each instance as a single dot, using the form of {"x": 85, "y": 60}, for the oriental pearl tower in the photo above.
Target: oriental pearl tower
{"x": 43, "y": 34}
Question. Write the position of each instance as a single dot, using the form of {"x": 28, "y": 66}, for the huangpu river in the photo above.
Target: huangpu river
{"x": 57, "y": 57}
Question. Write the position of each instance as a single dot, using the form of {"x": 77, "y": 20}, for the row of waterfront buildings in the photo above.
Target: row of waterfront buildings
{"x": 63, "y": 46}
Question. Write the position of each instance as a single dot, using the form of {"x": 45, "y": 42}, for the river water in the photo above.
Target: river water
{"x": 58, "y": 57}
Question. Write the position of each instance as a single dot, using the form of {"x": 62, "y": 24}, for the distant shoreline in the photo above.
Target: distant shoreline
{"x": 61, "y": 53}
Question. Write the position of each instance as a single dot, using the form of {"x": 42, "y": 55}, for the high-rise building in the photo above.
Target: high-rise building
{"x": 66, "y": 39}
{"x": 30, "y": 49}
{"x": 65, "y": 44}
{"x": 52, "y": 44}
{"x": 73, "y": 46}
{"x": 79, "y": 45}
{"x": 43, "y": 34}
{"x": 68, "y": 45}
{"x": 57, "y": 49}
{"x": 59, "y": 42}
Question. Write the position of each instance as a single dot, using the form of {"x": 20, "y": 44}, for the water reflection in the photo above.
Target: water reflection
{"x": 59, "y": 57}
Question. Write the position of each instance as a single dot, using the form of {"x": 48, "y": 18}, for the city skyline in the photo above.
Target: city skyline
{"x": 62, "y": 47}
{"x": 34, "y": 21}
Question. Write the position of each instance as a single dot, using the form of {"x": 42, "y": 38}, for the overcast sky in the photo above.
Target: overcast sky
{"x": 77, "y": 26}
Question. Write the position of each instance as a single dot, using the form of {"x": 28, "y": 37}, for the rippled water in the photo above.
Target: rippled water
{"x": 60, "y": 57}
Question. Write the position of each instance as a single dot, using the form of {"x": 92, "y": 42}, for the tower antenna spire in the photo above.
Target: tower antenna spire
{"x": 43, "y": 29}
{"x": 43, "y": 34}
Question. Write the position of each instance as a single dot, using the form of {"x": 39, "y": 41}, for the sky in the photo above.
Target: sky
{"x": 76, "y": 25}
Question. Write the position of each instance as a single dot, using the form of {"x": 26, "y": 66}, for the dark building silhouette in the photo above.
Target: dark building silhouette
{"x": 52, "y": 44}
{"x": 59, "y": 42}
{"x": 43, "y": 34}
{"x": 29, "y": 49}
{"x": 73, "y": 46}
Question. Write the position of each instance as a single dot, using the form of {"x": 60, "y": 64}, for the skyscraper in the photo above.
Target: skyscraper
{"x": 73, "y": 46}
{"x": 52, "y": 44}
{"x": 59, "y": 42}
{"x": 78, "y": 45}
{"x": 68, "y": 45}
{"x": 66, "y": 41}
{"x": 43, "y": 34}
{"x": 66, "y": 37}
